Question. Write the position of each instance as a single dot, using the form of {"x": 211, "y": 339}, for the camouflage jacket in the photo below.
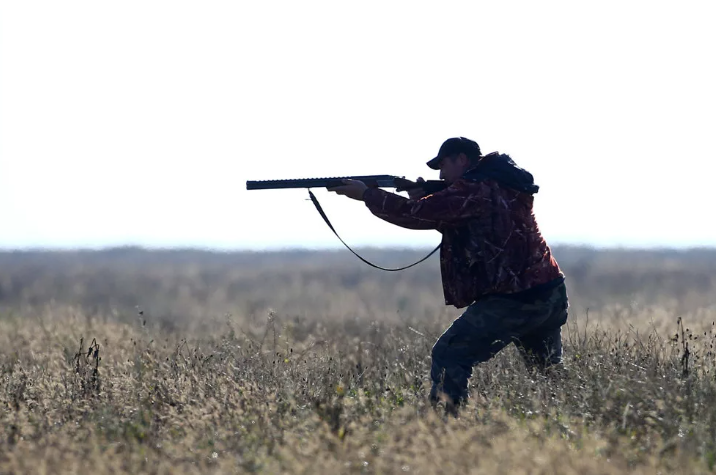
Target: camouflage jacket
{"x": 491, "y": 242}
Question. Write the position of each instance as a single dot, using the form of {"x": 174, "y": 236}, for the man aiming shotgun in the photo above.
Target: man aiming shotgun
{"x": 493, "y": 260}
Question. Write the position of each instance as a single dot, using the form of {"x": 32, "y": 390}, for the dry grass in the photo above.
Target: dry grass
{"x": 188, "y": 362}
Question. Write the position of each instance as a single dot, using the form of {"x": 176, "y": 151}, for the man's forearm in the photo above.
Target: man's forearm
{"x": 391, "y": 207}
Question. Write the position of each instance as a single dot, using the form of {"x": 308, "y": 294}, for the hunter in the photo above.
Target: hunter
{"x": 494, "y": 262}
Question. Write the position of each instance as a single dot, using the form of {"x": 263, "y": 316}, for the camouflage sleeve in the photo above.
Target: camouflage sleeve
{"x": 430, "y": 212}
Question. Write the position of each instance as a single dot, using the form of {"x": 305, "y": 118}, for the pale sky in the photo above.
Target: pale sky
{"x": 139, "y": 122}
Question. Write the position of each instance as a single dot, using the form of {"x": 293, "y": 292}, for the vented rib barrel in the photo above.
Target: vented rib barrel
{"x": 381, "y": 181}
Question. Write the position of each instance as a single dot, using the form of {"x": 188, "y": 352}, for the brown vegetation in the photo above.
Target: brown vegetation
{"x": 301, "y": 362}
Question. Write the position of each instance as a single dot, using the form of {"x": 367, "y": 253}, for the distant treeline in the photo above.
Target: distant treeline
{"x": 179, "y": 284}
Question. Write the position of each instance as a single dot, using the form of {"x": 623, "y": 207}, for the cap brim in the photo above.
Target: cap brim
{"x": 435, "y": 163}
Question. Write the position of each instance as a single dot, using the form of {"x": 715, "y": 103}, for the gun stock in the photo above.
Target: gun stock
{"x": 430, "y": 186}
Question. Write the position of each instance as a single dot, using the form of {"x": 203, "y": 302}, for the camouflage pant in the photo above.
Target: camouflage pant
{"x": 486, "y": 327}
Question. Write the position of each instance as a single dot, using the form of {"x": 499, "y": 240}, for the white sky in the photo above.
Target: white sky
{"x": 139, "y": 122}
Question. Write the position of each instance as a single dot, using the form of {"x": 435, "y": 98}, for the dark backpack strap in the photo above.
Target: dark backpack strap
{"x": 328, "y": 222}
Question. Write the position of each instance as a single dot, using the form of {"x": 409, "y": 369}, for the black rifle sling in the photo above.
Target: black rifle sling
{"x": 328, "y": 222}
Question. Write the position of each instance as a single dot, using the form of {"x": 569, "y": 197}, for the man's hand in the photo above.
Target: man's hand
{"x": 417, "y": 193}
{"x": 352, "y": 189}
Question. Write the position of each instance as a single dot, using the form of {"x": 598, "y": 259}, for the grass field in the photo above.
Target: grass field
{"x": 130, "y": 361}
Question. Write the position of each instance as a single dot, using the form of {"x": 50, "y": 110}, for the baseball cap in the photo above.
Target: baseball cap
{"x": 453, "y": 146}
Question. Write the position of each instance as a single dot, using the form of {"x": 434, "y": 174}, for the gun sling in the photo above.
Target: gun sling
{"x": 328, "y": 222}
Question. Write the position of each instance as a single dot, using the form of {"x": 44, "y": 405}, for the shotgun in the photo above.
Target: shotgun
{"x": 372, "y": 181}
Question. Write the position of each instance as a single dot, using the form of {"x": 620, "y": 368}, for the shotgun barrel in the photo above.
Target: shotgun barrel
{"x": 372, "y": 181}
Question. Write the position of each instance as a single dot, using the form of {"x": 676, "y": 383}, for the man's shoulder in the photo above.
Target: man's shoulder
{"x": 492, "y": 192}
{"x": 484, "y": 186}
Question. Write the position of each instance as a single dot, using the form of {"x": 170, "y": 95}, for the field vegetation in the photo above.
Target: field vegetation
{"x": 185, "y": 361}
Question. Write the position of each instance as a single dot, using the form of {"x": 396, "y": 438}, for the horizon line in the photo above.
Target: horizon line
{"x": 388, "y": 247}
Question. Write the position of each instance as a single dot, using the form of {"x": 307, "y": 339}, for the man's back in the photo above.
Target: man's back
{"x": 499, "y": 249}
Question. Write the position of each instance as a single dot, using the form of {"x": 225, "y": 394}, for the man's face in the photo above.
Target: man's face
{"x": 452, "y": 168}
